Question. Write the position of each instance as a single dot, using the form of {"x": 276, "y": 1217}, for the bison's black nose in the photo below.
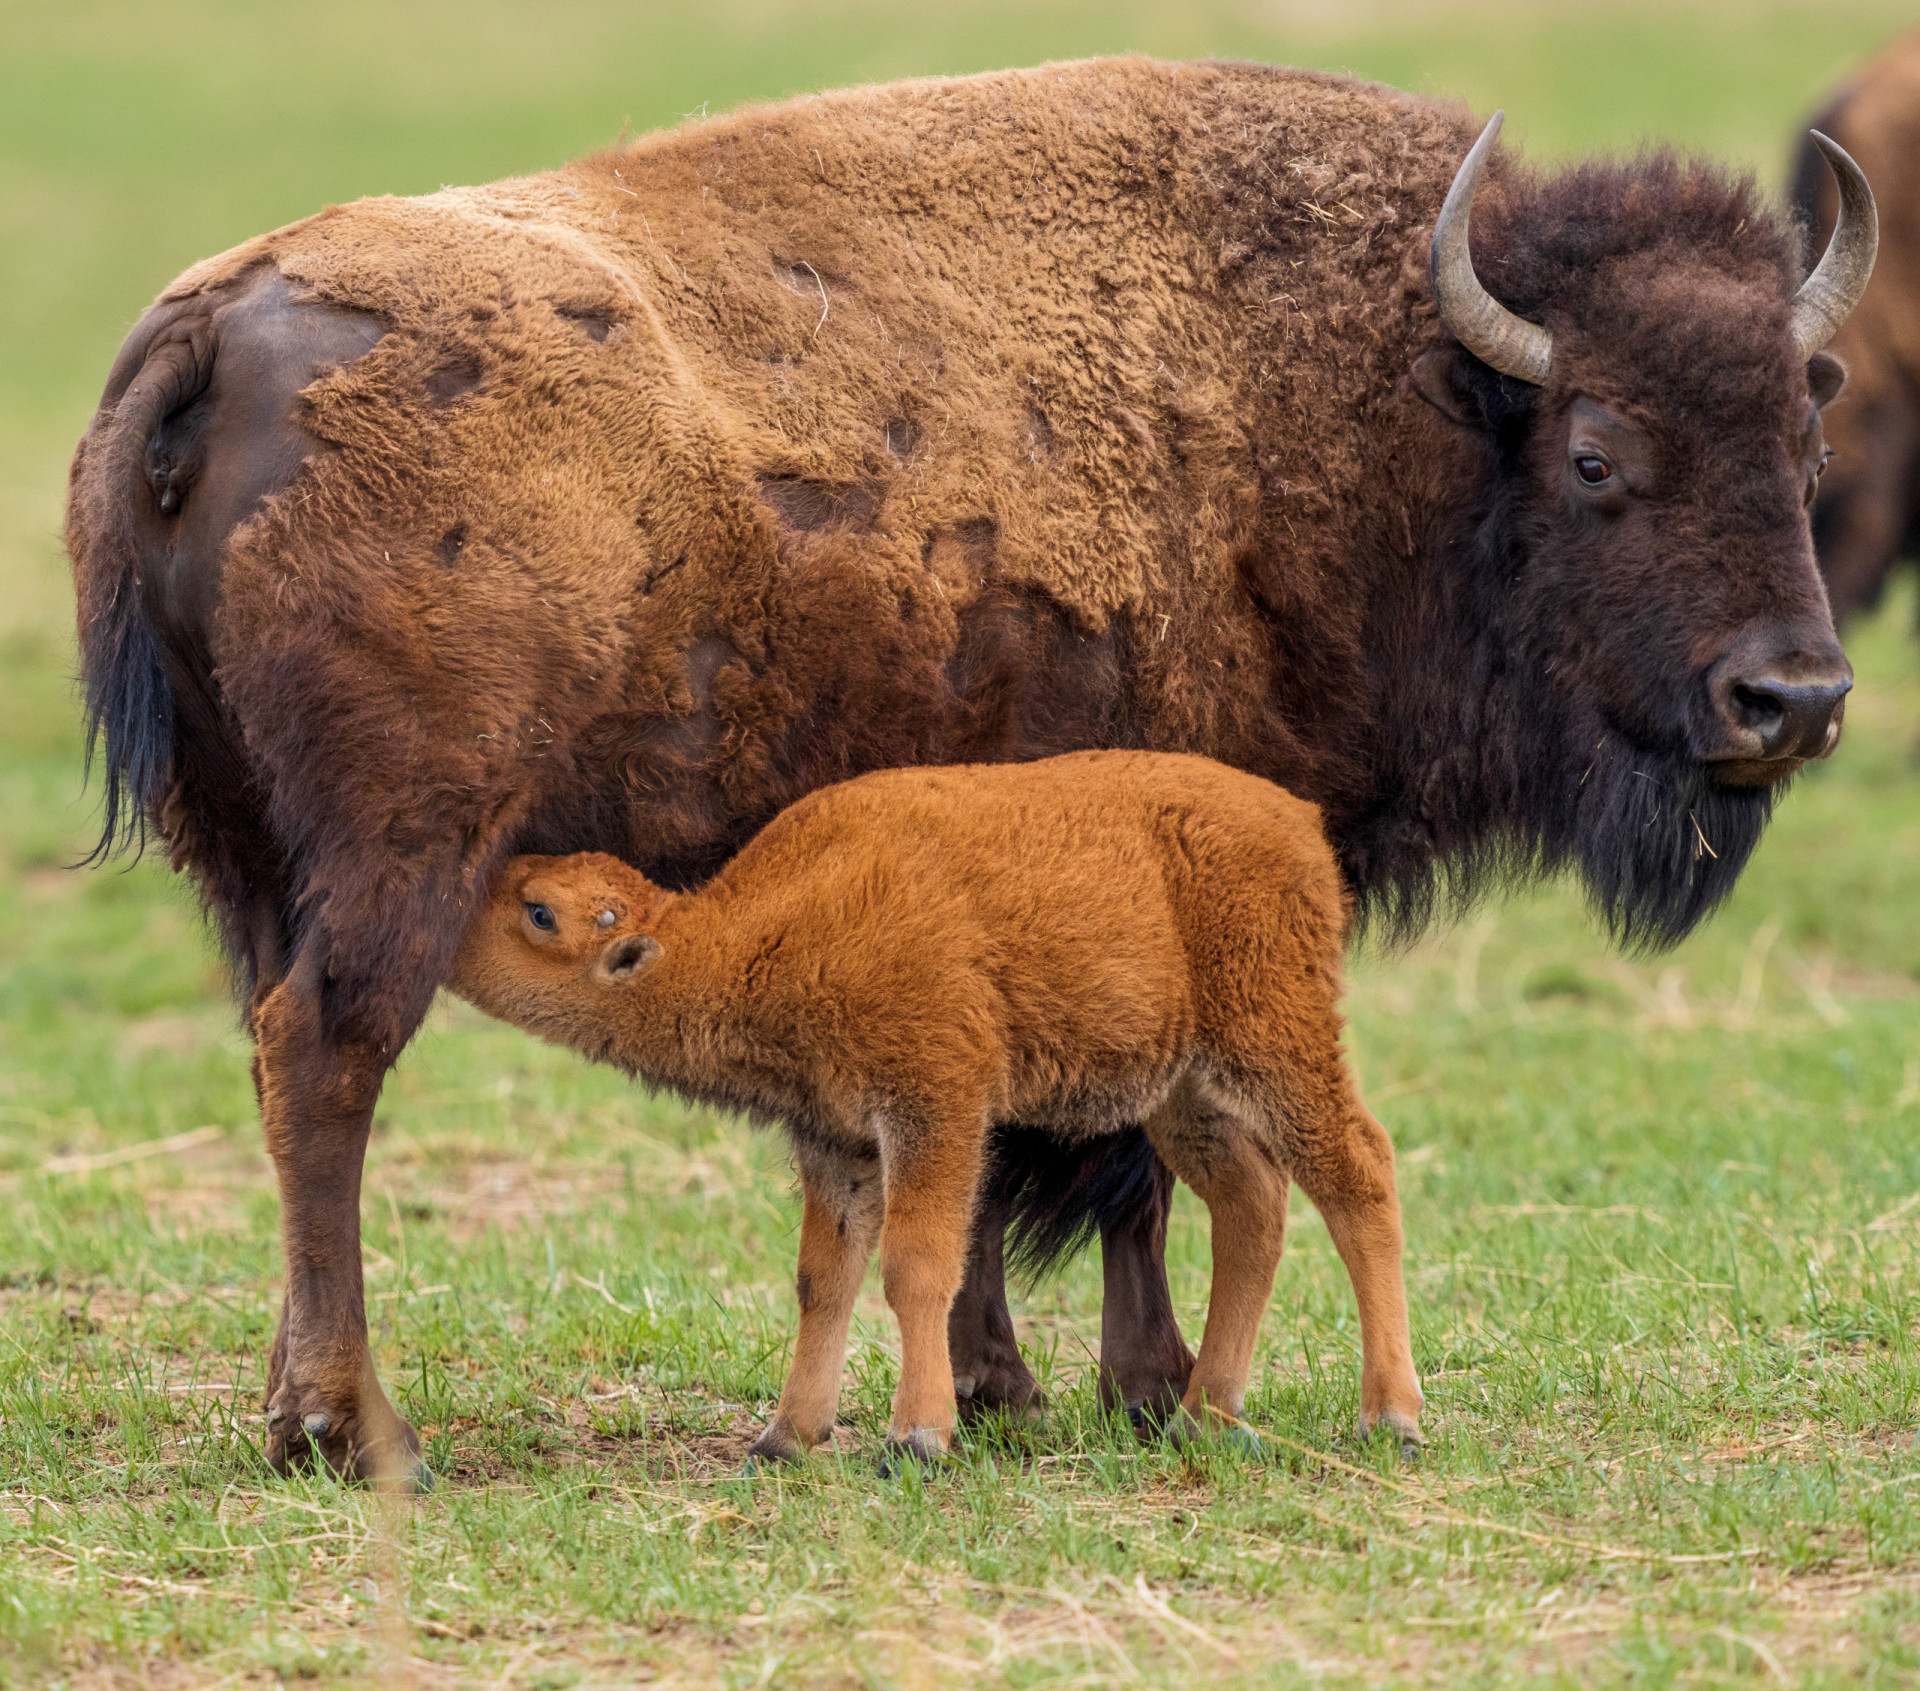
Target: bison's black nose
{"x": 1777, "y": 707}
{"x": 1792, "y": 718}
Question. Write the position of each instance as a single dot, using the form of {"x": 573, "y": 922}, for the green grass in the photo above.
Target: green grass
{"x": 1662, "y": 1216}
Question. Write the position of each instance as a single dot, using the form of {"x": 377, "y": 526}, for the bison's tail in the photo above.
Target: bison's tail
{"x": 129, "y": 702}
{"x": 130, "y": 709}
{"x": 1063, "y": 1192}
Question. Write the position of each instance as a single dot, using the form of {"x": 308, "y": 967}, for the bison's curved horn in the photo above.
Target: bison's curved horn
{"x": 1484, "y": 326}
{"x": 1826, "y": 298}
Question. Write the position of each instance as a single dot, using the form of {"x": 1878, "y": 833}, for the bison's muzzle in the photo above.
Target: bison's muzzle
{"x": 1774, "y": 706}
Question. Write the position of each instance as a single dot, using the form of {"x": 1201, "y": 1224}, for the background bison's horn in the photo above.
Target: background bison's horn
{"x": 1481, "y": 324}
{"x": 1826, "y": 298}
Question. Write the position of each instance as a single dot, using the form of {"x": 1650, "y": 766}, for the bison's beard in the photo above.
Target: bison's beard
{"x": 1659, "y": 843}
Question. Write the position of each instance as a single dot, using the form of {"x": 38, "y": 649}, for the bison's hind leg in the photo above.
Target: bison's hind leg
{"x": 991, "y": 1379}
{"x": 324, "y": 1401}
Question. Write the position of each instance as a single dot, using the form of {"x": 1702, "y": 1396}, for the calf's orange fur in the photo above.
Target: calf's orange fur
{"x": 897, "y": 963}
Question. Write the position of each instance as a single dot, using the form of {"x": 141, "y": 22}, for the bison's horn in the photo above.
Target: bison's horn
{"x": 1484, "y": 326}
{"x": 1826, "y": 298}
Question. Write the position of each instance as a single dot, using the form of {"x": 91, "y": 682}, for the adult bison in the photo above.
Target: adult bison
{"x": 1868, "y": 517}
{"x": 1107, "y": 404}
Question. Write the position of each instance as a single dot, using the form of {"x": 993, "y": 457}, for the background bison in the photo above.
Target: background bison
{"x": 1101, "y": 404}
{"x": 1868, "y": 517}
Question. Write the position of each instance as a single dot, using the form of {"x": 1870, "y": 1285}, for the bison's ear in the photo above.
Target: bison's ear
{"x": 1449, "y": 378}
{"x": 1826, "y": 376}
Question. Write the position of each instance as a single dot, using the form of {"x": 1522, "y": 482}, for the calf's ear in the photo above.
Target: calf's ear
{"x": 1447, "y": 379}
{"x": 1826, "y": 376}
{"x": 626, "y": 957}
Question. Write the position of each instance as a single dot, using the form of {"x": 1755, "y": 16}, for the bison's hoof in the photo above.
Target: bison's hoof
{"x": 1148, "y": 1404}
{"x": 1149, "y": 1416}
{"x": 336, "y": 1443}
{"x": 1003, "y": 1393}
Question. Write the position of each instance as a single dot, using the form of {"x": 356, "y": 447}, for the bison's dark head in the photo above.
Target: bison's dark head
{"x": 1650, "y": 396}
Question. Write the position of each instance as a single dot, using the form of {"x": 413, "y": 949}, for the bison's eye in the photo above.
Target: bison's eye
{"x": 1826, "y": 458}
{"x": 542, "y": 918}
{"x": 1592, "y": 471}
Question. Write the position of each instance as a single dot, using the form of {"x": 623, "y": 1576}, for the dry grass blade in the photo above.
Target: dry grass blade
{"x": 86, "y": 1162}
{"x": 1613, "y": 1552}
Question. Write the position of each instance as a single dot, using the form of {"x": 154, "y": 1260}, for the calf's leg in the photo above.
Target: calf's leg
{"x": 843, "y": 1195}
{"x": 1343, "y": 1160}
{"x": 933, "y": 1168}
{"x": 1228, "y": 1161}
{"x": 316, "y": 1106}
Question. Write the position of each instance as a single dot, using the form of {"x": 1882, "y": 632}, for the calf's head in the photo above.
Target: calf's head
{"x": 1648, "y": 401}
{"x": 553, "y": 933}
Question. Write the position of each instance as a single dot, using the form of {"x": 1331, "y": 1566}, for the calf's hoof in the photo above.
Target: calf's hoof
{"x": 1186, "y": 1431}
{"x": 922, "y": 1447}
{"x": 1404, "y": 1427}
{"x": 776, "y": 1447}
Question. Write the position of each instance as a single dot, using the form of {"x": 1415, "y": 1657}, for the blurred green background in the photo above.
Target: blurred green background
{"x": 1653, "y": 1206}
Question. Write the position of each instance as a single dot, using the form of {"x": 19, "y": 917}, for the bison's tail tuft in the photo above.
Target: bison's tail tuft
{"x": 130, "y": 707}
{"x": 130, "y": 713}
{"x": 1064, "y": 1191}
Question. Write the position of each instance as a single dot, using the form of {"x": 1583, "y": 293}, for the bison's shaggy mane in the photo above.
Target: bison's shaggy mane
{"x": 1544, "y": 245}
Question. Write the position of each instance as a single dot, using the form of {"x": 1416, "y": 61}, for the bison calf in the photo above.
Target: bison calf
{"x": 899, "y": 963}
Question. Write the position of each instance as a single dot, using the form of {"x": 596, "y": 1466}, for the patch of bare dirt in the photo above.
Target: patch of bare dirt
{"x": 514, "y": 1194}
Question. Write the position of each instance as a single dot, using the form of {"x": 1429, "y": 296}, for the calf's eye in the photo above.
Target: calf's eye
{"x": 1592, "y": 471}
{"x": 542, "y": 918}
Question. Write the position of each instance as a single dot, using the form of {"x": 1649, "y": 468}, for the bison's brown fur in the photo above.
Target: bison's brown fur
{"x": 1868, "y": 516}
{"x": 898, "y": 963}
{"x": 1101, "y": 404}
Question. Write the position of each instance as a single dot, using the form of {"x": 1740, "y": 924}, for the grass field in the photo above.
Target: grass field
{"x": 1663, "y": 1217}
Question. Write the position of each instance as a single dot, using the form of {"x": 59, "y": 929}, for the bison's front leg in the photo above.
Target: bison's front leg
{"x": 1144, "y": 1362}
{"x": 317, "y": 1093}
